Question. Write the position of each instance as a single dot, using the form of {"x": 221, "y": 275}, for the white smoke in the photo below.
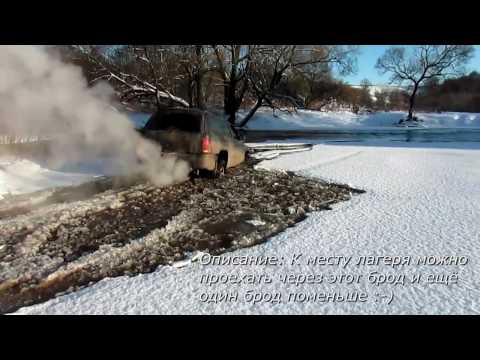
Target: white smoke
{"x": 41, "y": 95}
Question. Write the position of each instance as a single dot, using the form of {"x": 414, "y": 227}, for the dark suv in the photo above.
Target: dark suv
{"x": 206, "y": 141}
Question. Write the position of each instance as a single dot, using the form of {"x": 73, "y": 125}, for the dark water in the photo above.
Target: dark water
{"x": 394, "y": 135}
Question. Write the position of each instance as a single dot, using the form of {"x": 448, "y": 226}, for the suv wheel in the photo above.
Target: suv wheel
{"x": 221, "y": 167}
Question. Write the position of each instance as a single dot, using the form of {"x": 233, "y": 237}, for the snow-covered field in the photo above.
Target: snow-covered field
{"x": 313, "y": 120}
{"x": 420, "y": 201}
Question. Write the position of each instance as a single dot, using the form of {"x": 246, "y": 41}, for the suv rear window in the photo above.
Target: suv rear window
{"x": 175, "y": 121}
{"x": 219, "y": 125}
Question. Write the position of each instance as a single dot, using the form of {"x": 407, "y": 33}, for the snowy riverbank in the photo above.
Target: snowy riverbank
{"x": 21, "y": 176}
{"x": 419, "y": 202}
{"x": 316, "y": 120}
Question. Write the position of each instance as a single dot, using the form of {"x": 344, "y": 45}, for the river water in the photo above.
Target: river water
{"x": 416, "y": 135}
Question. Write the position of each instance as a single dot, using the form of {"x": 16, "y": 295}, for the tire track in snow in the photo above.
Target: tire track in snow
{"x": 333, "y": 161}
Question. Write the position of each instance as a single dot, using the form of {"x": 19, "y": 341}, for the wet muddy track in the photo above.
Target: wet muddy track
{"x": 58, "y": 241}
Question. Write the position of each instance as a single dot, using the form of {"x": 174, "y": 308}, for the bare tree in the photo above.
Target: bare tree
{"x": 272, "y": 64}
{"x": 422, "y": 63}
{"x": 197, "y": 61}
{"x": 187, "y": 75}
{"x": 381, "y": 100}
{"x": 307, "y": 84}
{"x": 365, "y": 95}
{"x": 233, "y": 65}
{"x": 139, "y": 73}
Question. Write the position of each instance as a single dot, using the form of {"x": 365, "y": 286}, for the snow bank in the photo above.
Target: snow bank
{"x": 25, "y": 176}
{"x": 419, "y": 202}
{"x": 316, "y": 120}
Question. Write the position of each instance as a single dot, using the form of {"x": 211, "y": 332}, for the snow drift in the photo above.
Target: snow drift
{"x": 24, "y": 176}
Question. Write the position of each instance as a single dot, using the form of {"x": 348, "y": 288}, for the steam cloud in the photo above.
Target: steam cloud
{"x": 41, "y": 95}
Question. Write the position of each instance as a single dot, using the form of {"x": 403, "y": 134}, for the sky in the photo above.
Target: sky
{"x": 368, "y": 56}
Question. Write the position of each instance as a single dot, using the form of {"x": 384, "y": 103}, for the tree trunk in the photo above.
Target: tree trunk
{"x": 190, "y": 91}
{"x": 307, "y": 102}
{"x": 230, "y": 101}
{"x": 230, "y": 104}
{"x": 412, "y": 102}
{"x": 252, "y": 112}
{"x": 199, "y": 92}
{"x": 198, "y": 77}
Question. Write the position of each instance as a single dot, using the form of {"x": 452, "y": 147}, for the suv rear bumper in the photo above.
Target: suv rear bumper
{"x": 199, "y": 161}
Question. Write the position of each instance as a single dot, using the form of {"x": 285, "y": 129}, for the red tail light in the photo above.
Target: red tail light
{"x": 205, "y": 144}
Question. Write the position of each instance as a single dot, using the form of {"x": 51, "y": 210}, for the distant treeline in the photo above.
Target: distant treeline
{"x": 328, "y": 93}
{"x": 461, "y": 94}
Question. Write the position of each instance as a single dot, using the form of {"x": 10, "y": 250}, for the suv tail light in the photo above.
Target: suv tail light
{"x": 205, "y": 144}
